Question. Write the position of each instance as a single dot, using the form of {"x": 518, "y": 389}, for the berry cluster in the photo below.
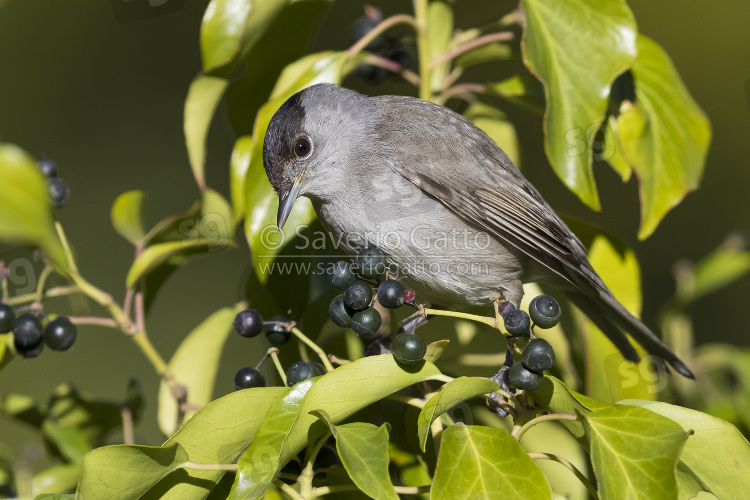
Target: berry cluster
{"x": 29, "y": 336}
{"x": 538, "y": 355}
{"x": 388, "y": 46}
{"x": 353, "y": 308}
{"x": 57, "y": 191}
{"x": 249, "y": 323}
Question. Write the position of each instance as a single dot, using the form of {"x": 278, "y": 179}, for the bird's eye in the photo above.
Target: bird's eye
{"x": 302, "y": 147}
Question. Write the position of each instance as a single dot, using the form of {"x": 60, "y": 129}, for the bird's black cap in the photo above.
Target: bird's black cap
{"x": 278, "y": 145}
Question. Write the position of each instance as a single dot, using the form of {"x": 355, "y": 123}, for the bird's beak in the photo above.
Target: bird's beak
{"x": 286, "y": 202}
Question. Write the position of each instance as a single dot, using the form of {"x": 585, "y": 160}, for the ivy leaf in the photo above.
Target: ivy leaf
{"x": 367, "y": 380}
{"x": 259, "y": 464}
{"x": 25, "y": 209}
{"x": 194, "y": 365}
{"x": 717, "y": 455}
{"x": 363, "y": 450}
{"x": 127, "y": 471}
{"x": 484, "y": 462}
{"x": 577, "y": 67}
{"x": 664, "y": 135}
{"x": 126, "y": 216}
{"x": 555, "y": 397}
{"x": 238, "y": 165}
{"x": 452, "y": 393}
{"x": 634, "y": 452}
{"x": 216, "y": 434}
{"x": 523, "y": 89}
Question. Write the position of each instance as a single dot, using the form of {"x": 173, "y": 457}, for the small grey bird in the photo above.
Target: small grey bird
{"x": 440, "y": 199}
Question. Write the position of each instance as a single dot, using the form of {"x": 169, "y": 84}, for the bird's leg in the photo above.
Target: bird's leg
{"x": 419, "y": 318}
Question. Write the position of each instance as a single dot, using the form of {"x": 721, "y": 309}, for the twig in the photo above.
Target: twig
{"x": 519, "y": 432}
{"x": 312, "y": 345}
{"x": 572, "y": 468}
{"x": 127, "y": 425}
{"x": 377, "y": 30}
{"x": 502, "y": 36}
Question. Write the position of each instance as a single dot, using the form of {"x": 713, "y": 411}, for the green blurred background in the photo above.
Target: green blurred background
{"x": 105, "y": 100}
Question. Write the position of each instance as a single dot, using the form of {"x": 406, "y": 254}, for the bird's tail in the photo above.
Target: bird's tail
{"x": 614, "y": 320}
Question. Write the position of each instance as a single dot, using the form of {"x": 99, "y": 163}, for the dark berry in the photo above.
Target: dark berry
{"x": 521, "y": 378}
{"x": 27, "y": 332}
{"x": 517, "y": 322}
{"x": 342, "y": 275}
{"x": 300, "y": 371}
{"x": 358, "y": 295}
{"x": 366, "y": 322}
{"x": 545, "y": 311}
{"x": 374, "y": 75}
{"x": 391, "y": 294}
{"x": 401, "y": 57}
{"x": 319, "y": 368}
{"x": 326, "y": 457}
{"x": 538, "y": 355}
{"x": 276, "y": 331}
{"x": 7, "y": 317}
{"x": 340, "y": 314}
{"x": 58, "y": 192}
{"x": 31, "y": 352}
{"x": 60, "y": 334}
{"x": 364, "y": 25}
{"x": 248, "y": 323}
{"x": 371, "y": 263}
{"x": 48, "y": 167}
{"x": 408, "y": 348}
{"x": 249, "y": 377}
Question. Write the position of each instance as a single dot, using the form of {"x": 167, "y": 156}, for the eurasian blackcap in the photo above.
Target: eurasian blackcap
{"x": 440, "y": 199}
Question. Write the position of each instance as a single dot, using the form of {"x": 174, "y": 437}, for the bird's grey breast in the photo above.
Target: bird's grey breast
{"x": 442, "y": 256}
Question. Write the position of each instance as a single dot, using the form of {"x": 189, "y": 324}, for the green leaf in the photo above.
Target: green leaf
{"x": 194, "y": 366}
{"x": 363, "y": 450}
{"x": 25, "y": 210}
{"x": 238, "y": 165}
{"x": 435, "y": 350}
{"x": 523, "y": 89}
{"x": 452, "y": 393}
{"x": 440, "y": 21}
{"x": 229, "y": 30}
{"x": 126, "y": 216}
{"x": 555, "y": 397}
{"x": 495, "y": 124}
{"x": 482, "y": 462}
{"x": 257, "y": 467}
{"x": 76, "y": 422}
{"x": 577, "y": 50}
{"x": 154, "y": 256}
{"x": 717, "y": 270}
{"x": 218, "y": 434}
{"x": 6, "y": 353}
{"x": 634, "y": 452}
{"x": 664, "y": 135}
{"x": 63, "y": 477}
{"x": 490, "y": 52}
{"x": 127, "y": 471}
{"x": 287, "y": 38}
{"x": 716, "y": 454}
{"x": 366, "y": 380}
{"x": 24, "y": 409}
{"x": 203, "y": 97}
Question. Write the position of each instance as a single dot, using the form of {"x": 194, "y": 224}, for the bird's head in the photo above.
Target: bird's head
{"x": 308, "y": 140}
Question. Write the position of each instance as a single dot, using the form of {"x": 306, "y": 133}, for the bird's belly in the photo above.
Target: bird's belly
{"x": 443, "y": 258}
